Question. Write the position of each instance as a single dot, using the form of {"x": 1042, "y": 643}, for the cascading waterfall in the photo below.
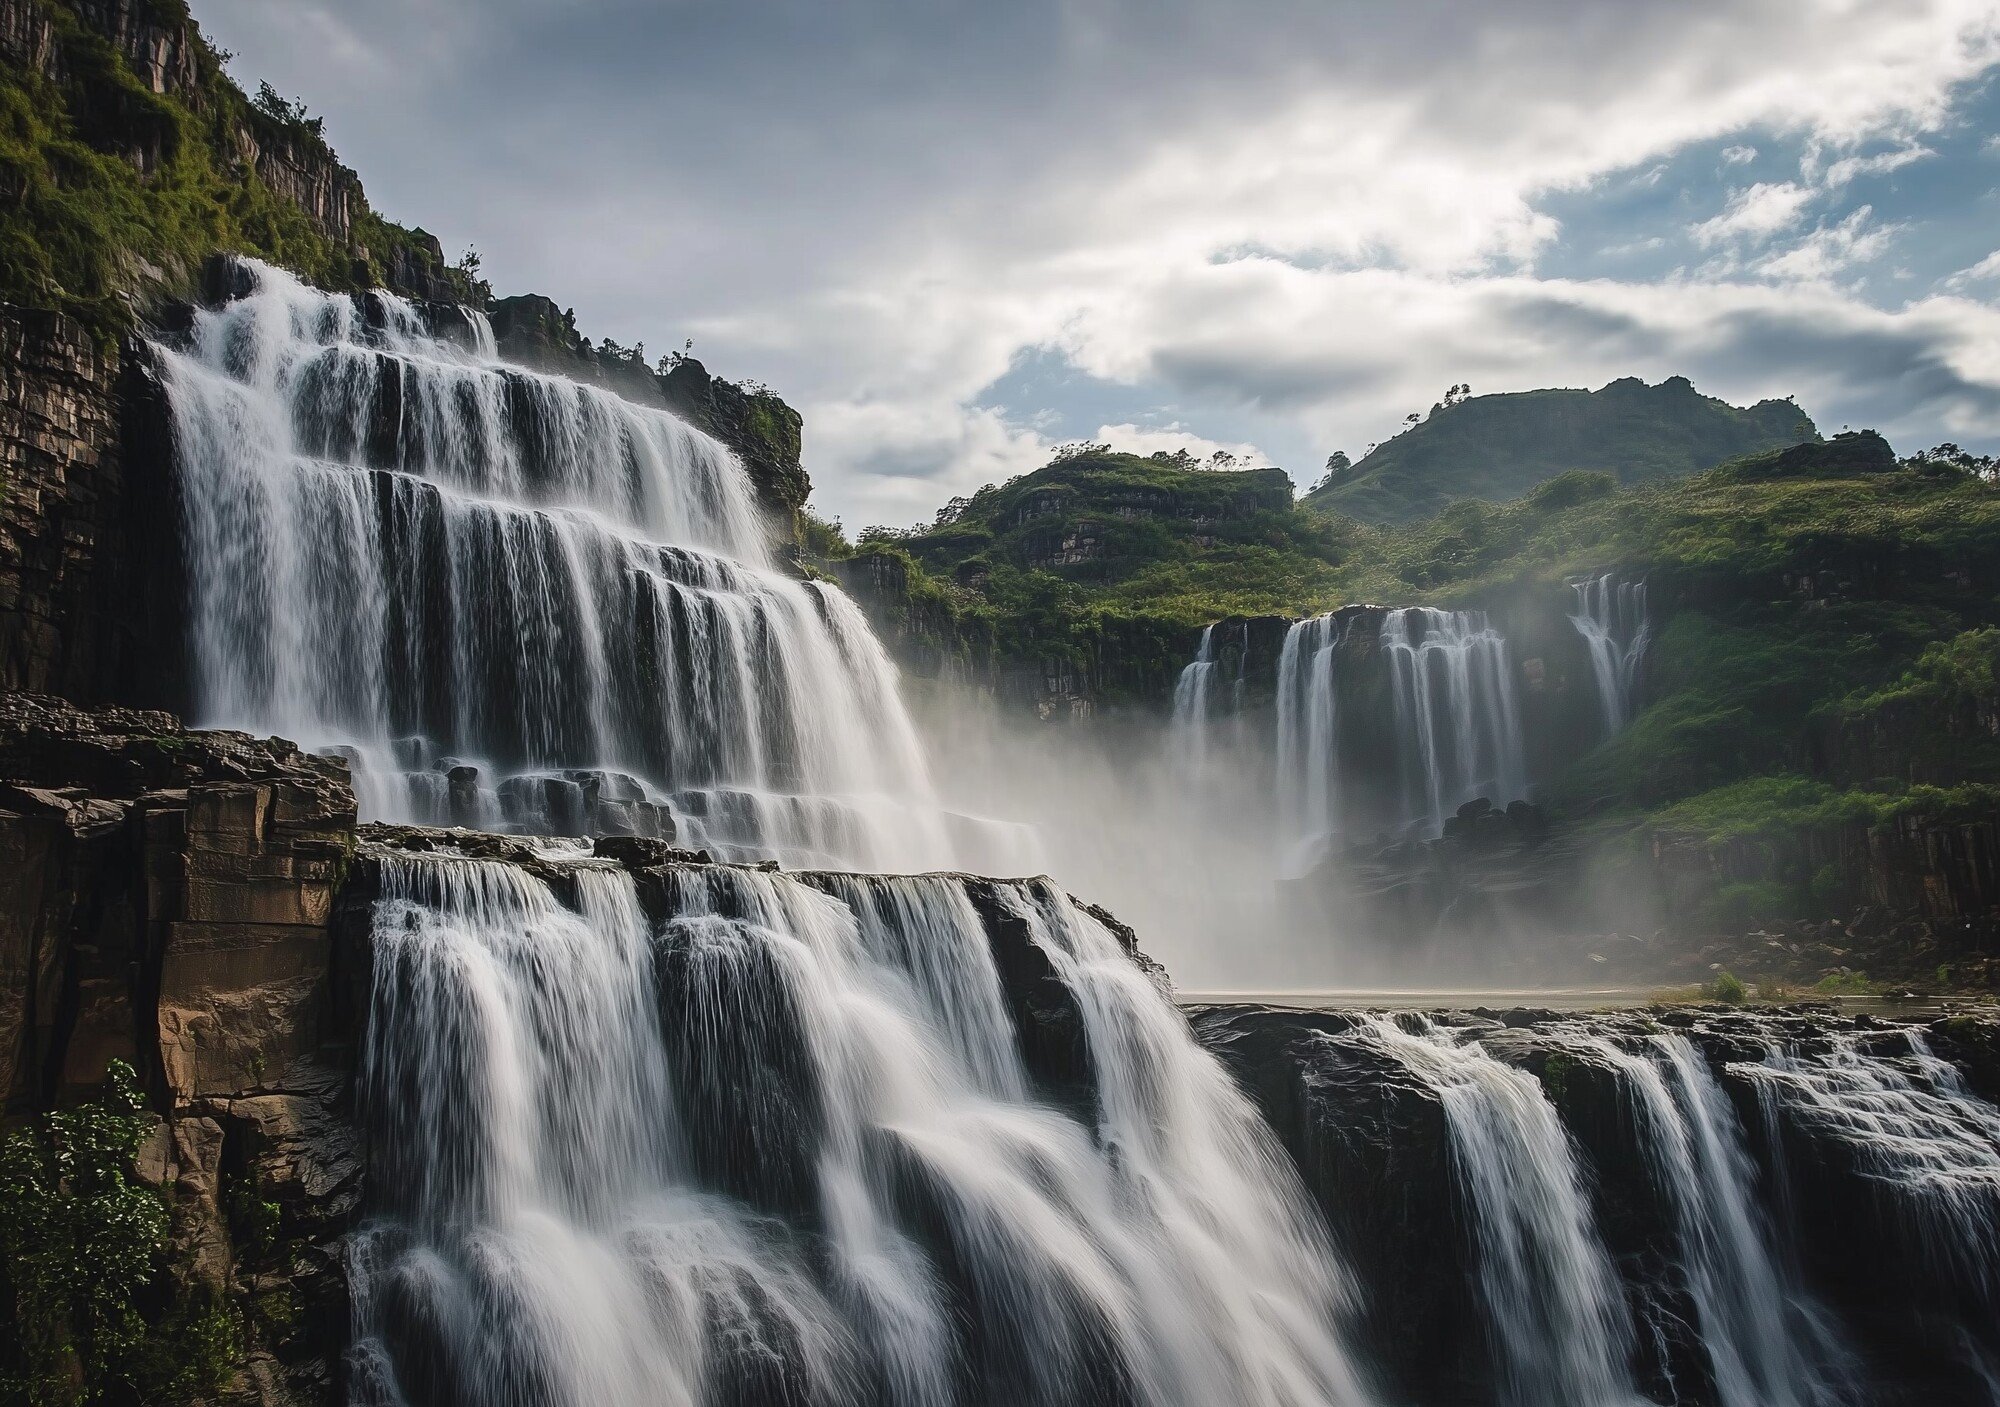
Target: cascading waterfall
{"x": 1456, "y": 720}
{"x": 780, "y": 1146}
{"x": 1308, "y": 740}
{"x": 1612, "y": 618}
{"x": 1767, "y": 1344}
{"x": 1454, "y": 732}
{"x": 1194, "y": 707}
{"x": 516, "y": 601}
{"x": 1926, "y": 1145}
{"x": 1202, "y": 700}
{"x": 1560, "y": 1334}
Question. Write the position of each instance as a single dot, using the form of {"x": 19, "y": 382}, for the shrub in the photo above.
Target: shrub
{"x": 81, "y": 1239}
{"x": 1727, "y": 987}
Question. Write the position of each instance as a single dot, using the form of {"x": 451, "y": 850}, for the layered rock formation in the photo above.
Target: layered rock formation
{"x": 166, "y": 903}
{"x": 61, "y": 518}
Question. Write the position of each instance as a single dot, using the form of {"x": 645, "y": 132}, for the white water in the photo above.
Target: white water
{"x": 1455, "y": 726}
{"x": 1194, "y": 709}
{"x": 1928, "y": 1146}
{"x": 402, "y": 549}
{"x": 1767, "y": 1343}
{"x": 1560, "y": 1333}
{"x": 783, "y": 1151}
{"x": 1455, "y": 712}
{"x": 1612, "y": 618}
{"x": 1308, "y": 737}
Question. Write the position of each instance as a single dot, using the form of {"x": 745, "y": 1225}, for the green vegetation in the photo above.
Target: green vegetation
{"x": 1832, "y": 664}
{"x": 1727, "y": 988}
{"x": 1501, "y": 447}
{"x": 1152, "y": 536}
{"x": 83, "y": 1256}
{"x": 1101, "y": 556}
{"x": 116, "y": 190}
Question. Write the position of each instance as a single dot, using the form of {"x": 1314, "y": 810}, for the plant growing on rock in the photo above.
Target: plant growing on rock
{"x": 81, "y": 1239}
{"x": 92, "y": 1312}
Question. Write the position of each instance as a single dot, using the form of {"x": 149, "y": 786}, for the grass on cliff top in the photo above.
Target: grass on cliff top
{"x": 1785, "y": 803}
{"x": 83, "y": 223}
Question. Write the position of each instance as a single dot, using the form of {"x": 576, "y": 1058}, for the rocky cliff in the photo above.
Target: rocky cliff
{"x": 1653, "y": 1105}
{"x": 165, "y": 904}
{"x": 197, "y": 907}
{"x": 137, "y": 169}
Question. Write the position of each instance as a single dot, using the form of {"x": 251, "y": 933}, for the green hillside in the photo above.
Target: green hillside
{"x": 1499, "y": 447}
{"x": 1831, "y": 661}
{"x": 1152, "y": 535}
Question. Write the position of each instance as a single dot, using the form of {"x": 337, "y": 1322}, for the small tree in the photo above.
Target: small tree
{"x": 1077, "y": 449}
{"x": 1338, "y": 467}
{"x": 1949, "y": 460}
{"x": 285, "y": 113}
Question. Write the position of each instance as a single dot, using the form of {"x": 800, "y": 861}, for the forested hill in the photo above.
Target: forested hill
{"x": 1500, "y": 447}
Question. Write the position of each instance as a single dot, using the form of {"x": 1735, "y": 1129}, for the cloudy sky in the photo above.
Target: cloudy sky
{"x": 955, "y": 232}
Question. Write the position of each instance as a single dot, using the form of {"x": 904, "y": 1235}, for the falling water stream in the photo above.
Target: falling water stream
{"x": 516, "y": 601}
{"x": 780, "y": 1145}
{"x": 1560, "y": 1333}
{"x": 1453, "y": 735}
{"x": 726, "y": 1136}
{"x": 1612, "y": 618}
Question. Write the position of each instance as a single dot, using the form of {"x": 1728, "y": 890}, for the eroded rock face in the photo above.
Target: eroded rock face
{"x": 61, "y": 461}
{"x": 165, "y": 899}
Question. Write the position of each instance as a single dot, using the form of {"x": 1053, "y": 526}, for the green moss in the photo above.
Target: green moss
{"x": 1556, "y": 1073}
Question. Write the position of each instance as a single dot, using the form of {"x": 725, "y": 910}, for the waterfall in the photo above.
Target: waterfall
{"x": 1452, "y": 730}
{"x": 1200, "y": 704}
{"x": 1925, "y": 1144}
{"x": 1457, "y": 725}
{"x": 516, "y": 601}
{"x": 1766, "y": 1343}
{"x": 1194, "y": 707}
{"x": 779, "y": 1143}
{"x": 1559, "y": 1331}
{"x": 1308, "y": 743}
{"x": 1611, "y": 617}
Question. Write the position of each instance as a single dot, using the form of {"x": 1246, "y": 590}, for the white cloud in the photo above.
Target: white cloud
{"x": 1880, "y": 164}
{"x": 1754, "y": 214}
{"x": 1983, "y": 271}
{"x": 1831, "y": 249}
{"x": 877, "y": 212}
{"x": 1637, "y": 246}
{"x": 1738, "y": 155}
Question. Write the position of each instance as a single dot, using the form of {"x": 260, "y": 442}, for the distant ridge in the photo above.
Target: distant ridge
{"x": 1500, "y": 447}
